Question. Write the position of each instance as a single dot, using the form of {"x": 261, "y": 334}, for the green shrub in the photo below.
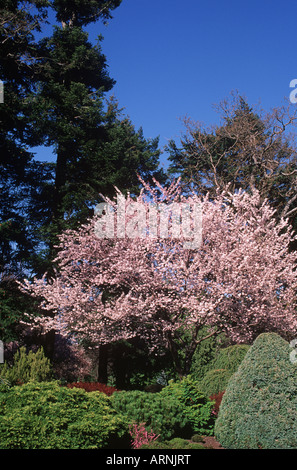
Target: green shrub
{"x": 176, "y": 443}
{"x": 206, "y": 353}
{"x": 229, "y": 358}
{"x": 221, "y": 368}
{"x": 47, "y": 416}
{"x": 156, "y": 445}
{"x": 162, "y": 415}
{"x": 215, "y": 381}
{"x": 34, "y": 366}
{"x": 179, "y": 410}
{"x": 194, "y": 404}
{"x": 197, "y": 438}
{"x": 259, "y": 407}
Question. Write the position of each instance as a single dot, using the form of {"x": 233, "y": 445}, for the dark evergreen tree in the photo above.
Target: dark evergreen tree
{"x": 19, "y": 174}
{"x": 67, "y": 113}
{"x": 82, "y": 12}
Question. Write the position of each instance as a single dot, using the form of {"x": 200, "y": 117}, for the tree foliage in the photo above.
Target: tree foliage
{"x": 80, "y": 13}
{"x": 20, "y": 176}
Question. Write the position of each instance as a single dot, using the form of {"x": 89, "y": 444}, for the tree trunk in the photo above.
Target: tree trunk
{"x": 103, "y": 363}
{"x": 60, "y": 181}
{"x": 48, "y": 344}
{"x": 175, "y": 357}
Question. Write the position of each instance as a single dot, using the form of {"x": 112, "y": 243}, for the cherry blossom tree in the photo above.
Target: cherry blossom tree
{"x": 241, "y": 279}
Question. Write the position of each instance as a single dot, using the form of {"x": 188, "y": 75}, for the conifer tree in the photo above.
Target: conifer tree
{"x": 19, "y": 174}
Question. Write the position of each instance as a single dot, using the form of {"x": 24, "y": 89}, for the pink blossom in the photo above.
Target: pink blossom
{"x": 140, "y": 436}
{"x": 241, "y": 281}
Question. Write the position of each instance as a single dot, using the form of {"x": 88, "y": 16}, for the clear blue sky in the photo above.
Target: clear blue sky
{"x": 173, "y": 58}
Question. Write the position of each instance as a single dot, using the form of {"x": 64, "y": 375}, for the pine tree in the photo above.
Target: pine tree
{"x": 19, "y": 174}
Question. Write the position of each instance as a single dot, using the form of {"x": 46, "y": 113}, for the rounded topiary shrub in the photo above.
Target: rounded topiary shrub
{"x": 259, "y": 407}
{"x": 47, "y": 416}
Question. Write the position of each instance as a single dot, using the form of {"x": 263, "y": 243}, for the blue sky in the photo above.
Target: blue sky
{"x": 173, "y": 58}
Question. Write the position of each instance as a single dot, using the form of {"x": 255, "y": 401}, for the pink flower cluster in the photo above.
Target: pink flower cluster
{"x": 140, "y": 435}
{"x": 241, "y": 280}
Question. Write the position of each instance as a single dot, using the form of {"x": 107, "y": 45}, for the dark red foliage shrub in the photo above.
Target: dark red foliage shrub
{"x": 217, "y": 398}
{"x": 93, "y": 386}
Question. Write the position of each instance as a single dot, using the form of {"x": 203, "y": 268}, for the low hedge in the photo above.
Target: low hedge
{"x": 48, "y": 416}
